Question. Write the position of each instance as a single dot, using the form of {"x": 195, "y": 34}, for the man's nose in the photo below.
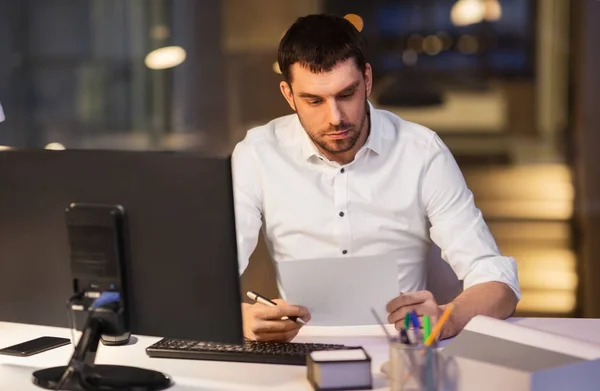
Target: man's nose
{"x": 335, "y": 116}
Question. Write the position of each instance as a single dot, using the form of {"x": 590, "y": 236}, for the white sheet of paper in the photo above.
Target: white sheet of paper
{"x": 341, "y": 291}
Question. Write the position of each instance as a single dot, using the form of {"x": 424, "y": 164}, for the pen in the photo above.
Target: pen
{"x": 404, "y": 337}
{"x": 414, "y": 318}
{"x": 412, "y": 336}
{"x": 389, "y": 337}
{"x": 413, "y": 331}
{"x": 263, "y": 300}
{"x": 426, "y": 327}
{"x": 438, "y": 327}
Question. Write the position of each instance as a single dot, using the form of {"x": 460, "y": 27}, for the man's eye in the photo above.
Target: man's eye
{"x": 346, "y": 95}
{"x": 314, "y": 102}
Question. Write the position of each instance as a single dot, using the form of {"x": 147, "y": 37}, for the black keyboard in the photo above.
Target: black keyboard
{"x": 290, "y": 353}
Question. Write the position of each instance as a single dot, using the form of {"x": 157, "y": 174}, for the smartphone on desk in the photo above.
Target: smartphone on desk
{"x": 35, "y": 346}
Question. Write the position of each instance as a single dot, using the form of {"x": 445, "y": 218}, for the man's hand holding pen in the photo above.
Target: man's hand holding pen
{"x": 272, "y": 320}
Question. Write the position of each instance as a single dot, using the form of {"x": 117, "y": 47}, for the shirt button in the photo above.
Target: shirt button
{"x": 344, "y": 252}
{"x": 343, "y": 170}
{"x": 341, "y": 214}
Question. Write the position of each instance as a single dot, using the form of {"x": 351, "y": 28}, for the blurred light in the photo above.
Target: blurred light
{"x": 167, "y": 57}
{"x": 468, "y": 44}
{"x": 493, "y": 10}
{"x": 549, "y": 302}
{"x": 415, "y": 42}
{"x": 432, "y": 45}
{"x": 542, "y": 192}
{"x": 55, "y": 147}
{"x": 466, "y": 12}
{"x": 160, "y": 32}
{"x": 409, "y": 57}
{"x": 528, "y": 209}
{"x": 356, "y": 20}
{"x": 5, "y": 148}
{"x": 276, "y": 68}
{"x": 446, "y": 40}
{"x": 540, "y": 278}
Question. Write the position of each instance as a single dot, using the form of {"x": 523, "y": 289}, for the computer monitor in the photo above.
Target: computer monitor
{"x": 183, "y": 279}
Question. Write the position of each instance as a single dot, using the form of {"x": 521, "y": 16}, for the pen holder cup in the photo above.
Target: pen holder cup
{"x": 417, "y": 368}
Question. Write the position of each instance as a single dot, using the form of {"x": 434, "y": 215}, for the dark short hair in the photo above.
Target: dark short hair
{"x": 319, "y": 42}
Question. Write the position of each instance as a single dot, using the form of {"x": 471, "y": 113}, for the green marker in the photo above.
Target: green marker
{"x": 407, "y": 321}
{"x": 426, "y": 327}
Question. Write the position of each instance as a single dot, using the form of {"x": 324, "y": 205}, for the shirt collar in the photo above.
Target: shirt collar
{"x": 374, "y": 141}
{"x": 309, "y": 149}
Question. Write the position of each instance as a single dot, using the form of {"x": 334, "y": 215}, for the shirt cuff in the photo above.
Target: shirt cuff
{"x": 499, "y": 268}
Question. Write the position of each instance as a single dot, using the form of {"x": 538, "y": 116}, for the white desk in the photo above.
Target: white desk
{"x": 15, "y": 372}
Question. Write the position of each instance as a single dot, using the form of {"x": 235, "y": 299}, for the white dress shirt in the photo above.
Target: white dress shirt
{"x": 402, "y": 191}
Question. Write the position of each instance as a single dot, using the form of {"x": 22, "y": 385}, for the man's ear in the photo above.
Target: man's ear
{"x": 286, "y": 91}
{"x": 368, "y": 79}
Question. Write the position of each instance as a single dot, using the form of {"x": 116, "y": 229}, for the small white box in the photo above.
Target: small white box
{"x": 339, "y": 370}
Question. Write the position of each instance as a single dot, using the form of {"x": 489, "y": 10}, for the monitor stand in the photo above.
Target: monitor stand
{"x": 83, "y": 375}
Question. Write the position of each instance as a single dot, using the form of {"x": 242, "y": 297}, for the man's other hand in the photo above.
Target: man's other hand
{"x": 422, "y": 302}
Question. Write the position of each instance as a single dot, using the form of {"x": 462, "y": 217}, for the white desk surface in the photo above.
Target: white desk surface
{"x": 188, "y": 375}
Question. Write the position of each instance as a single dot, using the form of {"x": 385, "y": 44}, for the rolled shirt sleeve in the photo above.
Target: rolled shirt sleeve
{"x": 457, "y": 225}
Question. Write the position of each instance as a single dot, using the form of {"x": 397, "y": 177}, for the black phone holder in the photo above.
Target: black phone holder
{"x": 79, "y": 316}
{"x": 82, "y": 374}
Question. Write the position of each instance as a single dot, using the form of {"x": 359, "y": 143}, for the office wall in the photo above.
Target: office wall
{"x": 260, "y": 24}
{"x": 251, "y": 34}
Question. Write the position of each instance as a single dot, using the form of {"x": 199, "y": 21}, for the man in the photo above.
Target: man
{"x": 340, "y": 178}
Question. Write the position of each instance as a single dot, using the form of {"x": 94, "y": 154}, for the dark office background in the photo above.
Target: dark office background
{"x": 511, "y": 87}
